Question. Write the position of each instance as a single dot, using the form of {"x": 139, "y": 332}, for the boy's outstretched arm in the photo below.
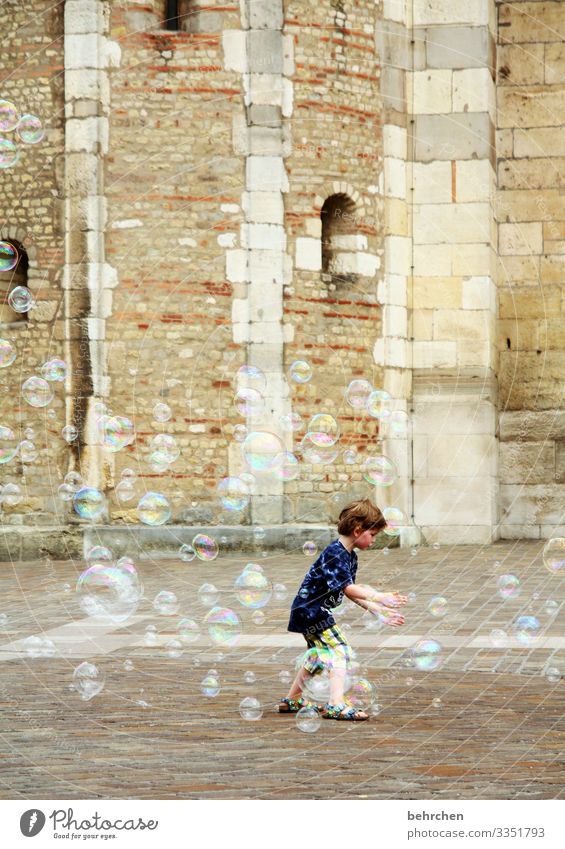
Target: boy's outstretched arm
{"x": 363, "y": 596}
{"x": 391, "y": 598}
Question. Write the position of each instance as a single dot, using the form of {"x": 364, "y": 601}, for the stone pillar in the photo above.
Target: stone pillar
{"x": 260, "y": 267}
{"x": 87, "y": 280}
{"x": 452, "y": 298}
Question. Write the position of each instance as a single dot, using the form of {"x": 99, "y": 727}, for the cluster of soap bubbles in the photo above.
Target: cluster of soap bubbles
{"x": 28, "y": 129}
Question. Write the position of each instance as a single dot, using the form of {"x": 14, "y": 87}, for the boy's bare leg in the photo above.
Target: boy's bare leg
{"x": 337, "y": 685}
{"x": 298, "y": 683}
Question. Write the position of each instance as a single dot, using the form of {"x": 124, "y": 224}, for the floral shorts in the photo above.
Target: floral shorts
{"x": 326, "y": 650}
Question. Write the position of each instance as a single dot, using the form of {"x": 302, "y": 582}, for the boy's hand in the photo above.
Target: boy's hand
{"x": 393, "y": 599}
{"x": 389, "y": 616}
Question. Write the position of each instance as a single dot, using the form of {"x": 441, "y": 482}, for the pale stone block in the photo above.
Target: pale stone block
{"x": 432, "y": 260}
{"x": 110, "y": 53}
{"x": 473, "y": 91}
{"x": 431, "y": 182}
{"x": 461, "y": 456}
{"x": 81, "y": 17}
{"x": 463, "y": 222}
{"x": 395, "y": 321}
{"x": 478, "y": 355}
{"x": 267, "y": 267}
{"x": 531, "y": 106}
{"x": 528, "y": 22}
{"x": 392, "y": 290}
{"x": 263, "y": 89}
{"x": 265, "y": 304}
{"x": 457, "y": 47}
{"x": 532, "y": 425}
{"x": 520, "y": 531}
{"x": 479, "y": 293}
{"x": 82, "y": 51}
{"x": 88, "y": 135}
{"x": 395, "y": 10}
{"x": 460, "y": 534}
{"x": 473, "y": 259}
{"x": 395, "y": 177}
{"x": 268, "y": 14}
{"x": 396, "y": 352}
{"x": 475, "y": 180}
{"x": 265, "y": 141}
{"x": 527, "y": 462}
{"x": 394, "y": 141}
{"x": 434, "y": 354}
{"x": 532, "y": 504}
{"x": 451, "y": 12}
{"x": 422, "y": 324}
{"x": 227, "y": 240}
{"x": 126, "y": 224}
{"x": 236, "y": 266}
{"x": 436, "y": 292}
{"x": 345, "y": 242}
{"x": 454, "y": 136}
{"x": 289, "y": 68}
{"x": 287, "y": 98}
{"x": 266, "y": 174}
{"x": 379, "y": 352}
{"x": 453, "y": 417}
{"x": 521, "y": 64}
{"x": 313, "y": 228}
{"x": 554, "y": 62}
{"x": 398, "y": 252}
{"x": 83, "y": 84}
{"x": 474, "y": 325}
{"x": 230, "y": 208}
{"x": 464, "y": 500}
{"x": 432, "y": 92}
{"x": 308, "y": 254}
{"x": 264, "y": 51}
{"x": 234, "y": 44}
{"x": 267, "y": 237}
{"x": 520, "y": 239}
{"x": 263, "y": 207}
{"x": 396, "y": 217}
{"x": 367, "y": 264}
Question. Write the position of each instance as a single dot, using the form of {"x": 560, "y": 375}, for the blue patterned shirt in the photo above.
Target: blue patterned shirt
{"x": 322, "y": 589}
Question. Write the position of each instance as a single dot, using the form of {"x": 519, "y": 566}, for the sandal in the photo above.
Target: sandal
{"x": 343, "y": 712}
{"x": 293, "y": 705}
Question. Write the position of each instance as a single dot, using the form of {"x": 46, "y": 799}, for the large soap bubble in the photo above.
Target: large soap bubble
{"x": 7, "y": 353}
{"x": 233, "y": 493}
{"x": 9, "y": 153}
{"x": 206, "y": 547}
{"x": 253, "y": 589}
{"x": 285, "y": 466}
{"x": 357, "y": 394}
{"x": 30, "y": 129}
{"x": 427, "y": 655}
{"x": 37, "y": 392}
{"x": 153, "y": 509}
{"x": 164, "y": 449}
{"x": 509, "y": 586}
{"x": 316, "y": 454}
{"x": 395, "y": 521}
{"x": 300, "y": 371}
{"x": 379, "y": 470}
{"x": 251, "y": 377}
{"x": 8, "y": 256}
{"x": 20, "y": 299}
{"x": 323, "y": 429}
{"x": 248, "y": 401}
{"x": 110, "y": 591}
{"x": 224, "y": 626}
{"x": 118, "y": 432}
{"x": 527, "y": 630}
{"x": 554, "y": 556}
{"x": 54, "y": 370}
{"x": 89, "y": 503}
{"x": 260, "y": 448}
{"x": 88, "y": 680}
{"x": 8, "y": 116}
{"x": 250, "y": 709}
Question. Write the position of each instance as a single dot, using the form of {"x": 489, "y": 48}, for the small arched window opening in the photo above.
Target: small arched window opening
{"x": 17, "y": 276}
{"x": 185, "y": 16}
{"x": 339, "y": 239}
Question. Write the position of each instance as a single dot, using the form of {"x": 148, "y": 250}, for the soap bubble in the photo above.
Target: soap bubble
{"x": 109, "y": 591}
{"x": 308, "y": 719}
{"x": 397, "y": 423}
{"x": 69, "y": 433}
{"x": 161, "y": 412}
{"x": 206, "y": 547}
{"x": 125, "y": 491}
{"x": 376, "y": 404}
{"x": 259, "y": 534}
{"x": 395, "y": 520}
{"x": 9, "y": 153}
{"x": 285, "y": 466}
{"x": 37, "y": 646}
{"x": 379, "y": 470}
{"x": 427, "y": 655}
{"x": 240, "y": 432}
{"x": 410, "y": 596}
{"x": 260, "y": 449}
{"x": 316, "y": 454}
{"x": 27, "y": 451}
{"x": 150, "y": 638}
{"x": 360, "y": 694}
{"x": 65, "y": 492}
{"x": 8, "y": 444}
{"x": 323, "y": 429}
{"x": 509, "y": 586}
{"x": 233, "y": 493}
{"x": 166, "y": 603}
{"x": 309, "y": 548}
{"x": 153, "y": 509}
{"x": 553, "y": 675}
{"x": 208, "y": 594}
{"x": 128, "y": 664}
{"x": 187, "y": 553}
{"x": 300, "y": 371}
{"x": 438, "y": 606}
{"x": 551, "y": 607}
{"x": 174, "y": 649}
{"x": 285, "y": 677}
{"x": 89, "y": 503}
{"x": 251, "y": 377}
{"x": 224, "y": 626}
{"x": 210, "y": 686}
{"x": 253, "y": 589}
{"x": 164, "y": 449}
{"x": 258, "y": 617}
{"x": 527, "y": 629}
{"x": 30, "y": 129}
{"x": 129, "y": 474}
{"x": 7, "y": 353}
{"x": 188, "y": 631}
{"x": 249, "y": 677}
{"x": 8, "y": 259}
{"x": 248, "y": 402}
{"x": 11, "y": 495}
{"x": 54, "y": 370}
{"x": 554, "y": 556}
{"x": 350, "y": 456}
{"x": 250, "y": 709}
{"x": 37, "y": 392}
{"x": 20, "y": 299}
{"x": 498, "y": 637}
{"x": 291, "y": 422}
{"x": 118, "y": 432}
{"x": 8, "y": 116}
{"x": 357, "y": 394}
{"x": 99, "y": 554}
{"x": 74, "y": 480}
{"x": 88, "y": 680}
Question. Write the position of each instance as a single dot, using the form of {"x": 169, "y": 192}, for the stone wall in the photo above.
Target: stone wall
{"x": 531, "y": 267}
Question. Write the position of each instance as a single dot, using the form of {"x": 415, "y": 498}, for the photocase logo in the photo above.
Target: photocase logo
{"x": 32, "y": 822}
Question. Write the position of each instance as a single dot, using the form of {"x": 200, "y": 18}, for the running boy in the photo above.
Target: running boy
{"x": 330, "y": 578}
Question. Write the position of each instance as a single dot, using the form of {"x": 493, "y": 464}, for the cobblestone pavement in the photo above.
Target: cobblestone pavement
{"x": 151, "y": 733}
